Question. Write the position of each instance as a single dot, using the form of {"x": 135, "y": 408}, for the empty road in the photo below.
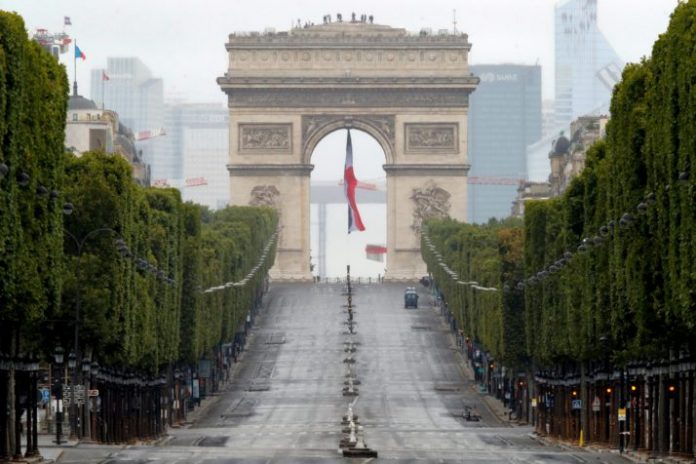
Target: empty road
{"x": 286, "y": 402}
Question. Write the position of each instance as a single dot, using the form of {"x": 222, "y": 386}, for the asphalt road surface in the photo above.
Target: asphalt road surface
{"x": 286, "y": 403}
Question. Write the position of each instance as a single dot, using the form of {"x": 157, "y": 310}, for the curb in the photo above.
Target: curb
{"x": 630, "y": 456}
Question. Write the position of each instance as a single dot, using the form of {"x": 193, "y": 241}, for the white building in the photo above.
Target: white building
{"x": 89, "y": 128}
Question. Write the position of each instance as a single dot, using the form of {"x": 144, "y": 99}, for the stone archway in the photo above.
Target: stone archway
{"x": 286, "y": 91}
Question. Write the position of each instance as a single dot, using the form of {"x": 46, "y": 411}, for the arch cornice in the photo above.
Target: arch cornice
{"x": 316, "y": 127}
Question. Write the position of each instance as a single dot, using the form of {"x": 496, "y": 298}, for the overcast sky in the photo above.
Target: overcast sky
{"x": 183, "y": 41}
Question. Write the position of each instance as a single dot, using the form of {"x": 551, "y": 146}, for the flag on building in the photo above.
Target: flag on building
{"x": 66, "y": 21}
{"x": 79, "y": 53}
{"x": 349, "y": 184}
{"x": 105, "y": 77}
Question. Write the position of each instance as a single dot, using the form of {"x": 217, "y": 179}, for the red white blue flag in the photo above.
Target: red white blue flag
{"x": 79, "y": 53}
{"x": 349, "y": 184}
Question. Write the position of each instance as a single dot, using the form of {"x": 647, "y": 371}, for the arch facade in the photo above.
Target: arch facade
{"x": 286, "y": 91}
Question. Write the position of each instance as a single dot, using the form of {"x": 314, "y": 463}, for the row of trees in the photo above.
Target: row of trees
{"x": 609, "y": 267}
{"x": 92, "y": 260}
{"x": 137, "y": 315}
{"x": 634, "y": 287}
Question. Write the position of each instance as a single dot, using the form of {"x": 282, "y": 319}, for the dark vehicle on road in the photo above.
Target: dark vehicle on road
{"x": 411, "y": 298}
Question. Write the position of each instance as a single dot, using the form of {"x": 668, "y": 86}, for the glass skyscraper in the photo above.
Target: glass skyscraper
{"x": 587, "y": 67}
{"x": 504, "y": 117}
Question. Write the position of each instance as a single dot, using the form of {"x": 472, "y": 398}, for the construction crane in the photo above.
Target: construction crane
{"x": 366, "y": 186}
{"x": 55, "y": 43}
{"x": 149, "y": 134}
{"x": 479, "y": 180}
{"x": 493, "y": 180}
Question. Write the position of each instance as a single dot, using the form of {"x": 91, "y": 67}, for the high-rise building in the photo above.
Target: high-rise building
{"x": 587, "y": 67}
{"x": 127, "y": 87}
{"x": 504, "y": 117}
{"x": 197, "y": 145}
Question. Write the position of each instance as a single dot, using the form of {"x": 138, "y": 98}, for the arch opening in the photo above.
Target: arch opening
{"x": 332, "y": 248}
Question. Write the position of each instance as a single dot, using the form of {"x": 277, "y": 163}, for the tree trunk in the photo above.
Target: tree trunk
{"x": 584, "y": 398}
{"x": 12, "y": 399}
{"x": 662, "y": 419}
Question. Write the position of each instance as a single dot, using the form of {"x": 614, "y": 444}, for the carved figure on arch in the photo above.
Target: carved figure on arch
{"x": 430, "y": 201}
{"x": 265, "y": 195}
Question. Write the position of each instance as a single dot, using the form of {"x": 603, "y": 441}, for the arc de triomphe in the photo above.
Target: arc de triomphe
{"x": 288, "y": 90}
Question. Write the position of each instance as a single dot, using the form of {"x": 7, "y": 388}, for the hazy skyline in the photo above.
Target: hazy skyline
{"x": 183, "y": 43}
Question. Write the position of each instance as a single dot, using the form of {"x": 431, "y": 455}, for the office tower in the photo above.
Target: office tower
{"x": 504, "y": 117}
{"x": 587, "y": 67}
{"x": 127, "y": 87}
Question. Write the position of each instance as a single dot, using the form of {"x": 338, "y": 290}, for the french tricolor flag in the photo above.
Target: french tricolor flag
{"x": 349, "y": 184}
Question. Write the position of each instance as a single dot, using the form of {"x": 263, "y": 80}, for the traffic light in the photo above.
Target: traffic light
{"x": 574, "y": 393}
{"x": 671, "y": 390}
{"x": 633, "y": 389}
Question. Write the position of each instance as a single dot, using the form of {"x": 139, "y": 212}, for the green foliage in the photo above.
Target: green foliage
{"x": 634, "y": 294}
{"x": 490, "y": 255}
{"x": 131, "y": 317}
{"x": 33, "y": 101}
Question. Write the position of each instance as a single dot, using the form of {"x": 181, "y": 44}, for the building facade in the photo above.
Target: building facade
{"x": 127, "y": 87}
{"x": 504, "y": 117}
{"x": 89, "y": 128}
{"x": 566, "y": 159}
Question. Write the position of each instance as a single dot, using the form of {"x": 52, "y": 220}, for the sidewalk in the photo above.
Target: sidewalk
{"x": 633, "y": 456}
{"x": 495, "y": 406}
{"x": 96, "y": 452}
{"x": 52, "y": 452}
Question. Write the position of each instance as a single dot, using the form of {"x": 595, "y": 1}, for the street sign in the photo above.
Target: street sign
{"x": 534, "y": 402}
{"x": 79, "y": 394}
{"x": 596, "y": 404}
{"x": 45, "y": 395}
{"x": 622, "y": 414}
{"x": 577, "y": 404}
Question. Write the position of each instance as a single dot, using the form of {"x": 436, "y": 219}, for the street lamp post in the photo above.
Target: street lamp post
{"x": 72, "y": 364}
{"x": 86, "y": 428}
{"x": 94, "y": 371}
{"x": 58, "y": 357}
{"x": 32, "y": 413}
{"x": 79, "y": 245}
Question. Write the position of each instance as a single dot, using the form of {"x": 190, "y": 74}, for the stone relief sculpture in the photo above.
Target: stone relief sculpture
{"x": 430, "y": 202}
{"x": 439, "y": 137}
{"x": 265, "y": 195}
{"x": 270, "y": 137}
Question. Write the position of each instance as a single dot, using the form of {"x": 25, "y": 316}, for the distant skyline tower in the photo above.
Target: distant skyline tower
{"x": 504, "y": 117}
{"x": 138, "y": 98}
{"x": 587, "y": 67}
{"x": 197, "y": 144}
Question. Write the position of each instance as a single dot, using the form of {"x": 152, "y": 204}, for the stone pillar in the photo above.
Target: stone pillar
{"x": 286, "y": 188}
{"x": 414, "y": 193}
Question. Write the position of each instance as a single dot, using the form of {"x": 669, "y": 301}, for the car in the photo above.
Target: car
{"x": 411, "y": 298}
